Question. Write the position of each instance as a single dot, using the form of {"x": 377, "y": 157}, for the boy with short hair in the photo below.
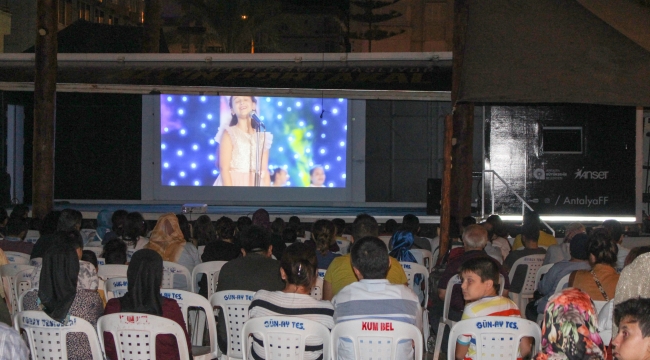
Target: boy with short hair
{"x": 633, "y": 339}
{"x": 480, "y": 285}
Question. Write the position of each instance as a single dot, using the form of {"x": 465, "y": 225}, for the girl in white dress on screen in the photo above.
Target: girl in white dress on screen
{"x": 237, "y": 146}
{"x": 317, "y": 176}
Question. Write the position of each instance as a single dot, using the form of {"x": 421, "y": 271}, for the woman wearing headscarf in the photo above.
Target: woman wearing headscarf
{"x": 168, "y": 241}
{"x": 400, "y": 244}
{"x": 60, "y": 296}
{"x": 144, "y": 275}
{"x": 570, "y": 328}
{"x": 104, "y": 225}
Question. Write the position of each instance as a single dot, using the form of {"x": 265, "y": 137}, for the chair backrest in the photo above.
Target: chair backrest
{"x": 347, "y": 236}
{"x": 455, "y": 280}
{"x": 115, "y": 287}
{"x": 36, "y": 261}
{"x": 101, "y": 261}
{"x": 112, "y": 271}
{"x": 201, "y": 250}
{"x": 496, "y": 336}
{"x": 187, "y": 300}
{"x": 423, "y": 257}
{"x": 375, "y": 338}
{"x": 284, "y": 337}
{"x": 564, "y": 282}
{"x": 46, "y": 336}
{"x": 87, "y": 235}
{"x": 135, "y": 333}
{"x": 541, "y": 272}
{"x": 171, "y": 270}
{"x": 15, "y": 257}
{"x": 21, "y": 299}
{"x": 9, "y": 275}
{"x": 532, "y": 263}
{"x": 344, "y": 246}
{"x": 97, "y": 250}
{"x": 32, "y": 236}
{"x": 605, "y": 321}
{"x": 129, "y": 254}
{"x": 211, "y": 270}
{"x": 317, "y": 289}
{"x": 411, "y": 269}
{"x": 22, "y": 284}
{"x": 234, "y": 304}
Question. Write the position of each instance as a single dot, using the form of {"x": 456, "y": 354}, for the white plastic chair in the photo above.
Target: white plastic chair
{"x": 497, "y": 337}
{"x": 101, "y": 261}
{"x": 32, "y": 236}
{"x": 196, "y": 322}
{"x": 411, "y": 269}
{"x": 112, "y": 271}
{"x": 348, "y": 236}
{"x": 234, "y": 304}
{"x": 46, "y": 336}
{"x": 21, "y": 299}
{"x": 563, "y": 283}
{"x": 605, "y": 321}
{"x": 22, "y": 284}
{"x": 87, "y": 235}
{"x": 444, "y": 320}
{"x": 541, "y": 272}
{"x": 129, "y": 254}
{"x": 36, "y": 261}
{"x": 211, "y": 270}
{"x": 317, "y": 289}
{"x": 135, "y": 333}
{"x": 376, "y": 338}
{"x": 533, "y": 263}
{"x": 97, "y": 250}
{"x": 115, "y": 287}
{"x": 284, "y": 337}
{"x": 344, "y": 246}
{"x": 9, "y": 273}
{"x": 201, "y": 250}
{"x": 423, "y": 257}
{"x": 171, "y": 270}
{"x": 15, "y": 257}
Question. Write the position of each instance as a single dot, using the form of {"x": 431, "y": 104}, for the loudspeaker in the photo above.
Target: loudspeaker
{"x": 434, "y": 195}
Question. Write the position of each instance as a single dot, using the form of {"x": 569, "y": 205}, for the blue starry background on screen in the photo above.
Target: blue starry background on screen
{"x": 191, "y": 125}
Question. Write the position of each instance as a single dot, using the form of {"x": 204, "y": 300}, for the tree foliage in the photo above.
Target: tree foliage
{"x": 371, "y": 15}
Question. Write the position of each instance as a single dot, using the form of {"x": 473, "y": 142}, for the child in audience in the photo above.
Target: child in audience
{"x": 115, "y": 252}
{"x": 632, "y": 317}
{"x": 480, "y": 285}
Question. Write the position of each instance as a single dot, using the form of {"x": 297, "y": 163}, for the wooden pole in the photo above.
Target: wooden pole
{"x": 446, "y": 186}
{"x": 44, "y": 108}
{"x": 152, "y": 26}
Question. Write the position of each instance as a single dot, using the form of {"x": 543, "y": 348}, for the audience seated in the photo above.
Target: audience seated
{"x": 118, "y": 220}
{"x": 633, "y": 280}
{"x": 570, "y": 328}
{"x": 222, "y": 249}
{"x": 632, "y": 317}
{"x": 184, "y": 225}
{"x": 204, "y": 231}
{"x": 561, "y": 252}
{"x": 64, "y": 290}
{"x": 168, "y": 241}
{"x": 135, "y": 231}
{"x": 298, "y": 269}
{"x": 104, "y": 225}
{"x": 548, "y": 283}
{"x": 373, "y": 296}
{"x": 531, "y": 218}
{"x": 89, "y": 256}
{"x": 12, "y": 345}
{"x": 261, "y": 218}
{"x": 339, "y": 274}
{"x": 289, "y": 234}
{"x": 400, "y": 244}
{"x": 340, "y": 226}
{"x": 530, "y": 235}
{"x": 389, "y": 228}
{"x": 600, "y": 282}
{"x": 411, "y": 223}
{"x": 277, "y": 227}
{"x": 497, "y": 234}
{"x": 14, "y": 239}
{"x": 323, "y": 234}
{"x": 66, "y": 220}
{"x": 480, "y": 285}
{"x": 144, "y": 275}
{"x": 616, "y": 231}
{"x": 254, "y": 271}
{"x": 115, "y": 252}
{"x": 20, "y": 212}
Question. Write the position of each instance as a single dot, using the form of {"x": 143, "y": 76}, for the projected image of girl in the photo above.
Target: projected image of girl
{"x": 239, "y": 144}
{"x": 317, "y": 176}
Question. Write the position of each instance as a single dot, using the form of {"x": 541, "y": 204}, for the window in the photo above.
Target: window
{"x": 562, "y": 140}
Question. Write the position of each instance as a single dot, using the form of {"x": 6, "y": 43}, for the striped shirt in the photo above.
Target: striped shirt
{"x": 273, "y": 303}
{"x": 487, "y": 306}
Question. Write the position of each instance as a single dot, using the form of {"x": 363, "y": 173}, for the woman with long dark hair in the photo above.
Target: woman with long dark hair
{"x": 145, "y": 274}
{"x": 240, "y": 144}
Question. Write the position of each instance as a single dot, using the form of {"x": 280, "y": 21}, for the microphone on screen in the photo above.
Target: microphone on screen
{"x": 257, "y": 120}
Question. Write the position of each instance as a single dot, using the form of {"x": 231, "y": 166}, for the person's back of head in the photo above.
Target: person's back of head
{"x": 70, "y": 219}
{"x": 262, "y": 218}
{"x": 222, "y": 221}
{"x": 532, "y": 218}
{"x": 294, "y": 220}
{"x": 90, "y": 257}
{"x": 185, "y": 226}
{"x": 390, "y": 226}
{"x": 410, "y": 223}
{"x": 632, "y": 317}
{"x": 134, "y": 227}
{"x": 243, "y": 222}
{"x": 369, "y": 257}
{"x": 145, "y": 273}
{"x": 480, "y": 278}
{"x": 615, "y": 230}
{"x": 635, "y": 253}
{"x": 299, "y": 265}
{"x": 578, "y": 247}
{"x": 58, "y": 280}
{"x": 115, "y": 252}
{"x": 20, "y": 211}
{"x": 289, "y": 234}
{"x": 204, "y": 231}
{"x": 475, "y": 237}
{"x": 323, "y": 233}
{"x": 50, "y": 222}
{"x": 467, "y": 221}
{"x": 256, "y": 239}
{"x": 364, "y": 225}
{"x": 70, "y": 238}
{"x": 340, "y": 225}
{"x": 227, "y": 232}
{"x": 17, "y": 227}
{"x": 529, "y": 235}
{"x": 277, "y": 226}
{"x": 117, "y": 219}
{"x": 602, "y": 248}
